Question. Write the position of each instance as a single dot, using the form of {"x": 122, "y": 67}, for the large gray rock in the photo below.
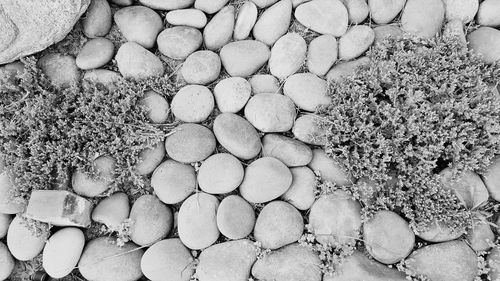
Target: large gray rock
{"x": 27, "y": 27}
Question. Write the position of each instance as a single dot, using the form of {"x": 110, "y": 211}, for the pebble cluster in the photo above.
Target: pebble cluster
{"x": 273, "y": 79}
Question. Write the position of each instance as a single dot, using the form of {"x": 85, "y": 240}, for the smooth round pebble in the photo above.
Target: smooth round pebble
{"x": 103, "y": 260}
{"x": 467, "y": 186}
{"x": 210, "y": 6}
{"x": 287, "y": 55}
{"x": 60, "y": 69}
{"x": 83, "y": 184}
{"x": 330, "y": 169}
{"x": 97, "y": 21}
{"x": 220, "y": 173}
{"x": 307, "y": 91}
{"x": 190, "y": 143}
{"x": 243, "y": 58}
{"x": 278, "y": 225}
{"x": 197, "y": 221}
{"x": 112, "y": 210}
{"x": 482, "y": 41}
{"x": 179, "y": 42}
{"x": 301, "y": 193}
{"x": 265, "y": 179}
{"x": 170, "y": 258}
{"x": 265, "y": 83}
{"x": 219, "y": 31}
{"x": 307, "y": 130}
{"x": 264, "y": 3}
{"x": 388, "y": 237}
{"x": 123, "y": 2}
{"x": 62, "y": 252}
{"x": 480, "y": 236}
{"x": 323, "y": 16}
{"x": 156, "y": 105}
{"x": 322, "y": 53}
{"x": 139, "y": 24}
{"x": 166, "y": 5}
{"x": 416, "y": 10}
{"x": 355, "y": 42}
{"x": 487, "y": 15}
{"x": 7, "y": 204}
{"x": 271, "y": 112}
{"x": 245, "y": 20}
{"x": 104, "y": 77}
{"x": 493, "y": 261}
{"x": 237, "y": 135}
{"x": 357, "y": 10}
{"x": 439, "y": 232}
{"x": 95, "y": 53}
{"x": 201, "y": 67}
{"x": 290, "y": 151}
{"x": 384, "y": 11}
{"x": 151, "y": 220}
{"x": 187, "y": 17}
{"x": 384, "y": 31}
{"x": 5, "y": 220}
{"x": 455, "y": 28}
{"x": 138, "y": 63}
{"x": 345, "y": 68}
{"x": 464, "y": 10}
{"x": 231, "y": 94}
{"x": 231, "y": 261}
{"x": 173, "y": 182}
{"x": 7, "y": 262}
{"x": 235, "y": 217}
{"x": 193, "y": 103}
{"x": 23, "y": 244}
{"x": 273, "y": 22}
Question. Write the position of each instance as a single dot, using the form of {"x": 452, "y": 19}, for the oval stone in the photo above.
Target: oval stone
{"x": 7, "y": 262}
{"x": 190, "y": 143}
{"x": 306, "y": 130}
{"x": 210, "y": 6}
{"x": 201, "y": 67}
{"x": 9, "y": 204}
{"x": 344, "y": 69}
{"x": 384, "y": 11}
{"x": 493, "y": 261}
{"x": 323, "y": 16}
{"x": 219, "y": 31}
{"x": 167, "y": 5}
{"x": 322, "y": 54}
{"x": 291, "y": 152}
{"x": 83, "y": 184}
{"x": 5, "y": 220}
{"x": 271, "y": 112}
{"x": 151, "y": 220}
{"x": 139, "y": 24}
{"x": 60, "y": 69}
{"x": 138, "y": 63}
{"x": 487, "y": 15}
{"x": 156, "y": 105}
{"x": 173, "y": 182}
{"x": 97, "y": 20}
{"x": 417, "y": 10}
{"x": 482, "y": 41}
{"x": 330, "y": 169}
{"x": 150, "y": 158}
{"x": 62, "y": 252}
{"x": 105, "y": 77}
{"x": 23, "y": 243}
{"x": 437, "y": 231}
{"x": 264, "y": 3}
{"x": 235, "y": 217}
{"x": 95, "y": 53}
{"x": 245, "y": 21}
{"x": 301, "y": 193}
{"x": 220, "y": 173}
{"x": 197, "y": 221}
{"x": 480, "y": 236}
{"x": 355, "y": 42}
{"x": 384, "y": 31}
{"x": 231, "y": 94}
{"x": 179, "y": 42}
{"x": 187, "y": 17}
{"x": 170, "y": 258}
{"x": 357, "y": 10}
{"x": 287, "y": 55}
{"x": 463, "y": 11}
{"x": 112, "y": 210}
{"x": 237, "y": 135}
{"x": 307, "y": 91}
{"x": 265, "y": 83}
{"x": 265, "y": 179}
{"x": 273, "y": 22}
{"x": 243, "y": 58}
{"x": 193, "y": 103}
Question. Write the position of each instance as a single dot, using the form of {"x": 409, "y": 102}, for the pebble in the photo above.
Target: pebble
{"x": 449, "y": 261}
{"x": 296, "y": 3}
{"x": 291, "y": 152}
{"x": 384, "y": 11}
{"x": 10, "y": 72}
{"x": 464, "y": 10}
{"x": 265, "y": 179}
{"x": 84, "y": 185}
{"x": 455, "y": 28}
{"x": 193, "y": 103}
{"x": 5, "y": 220}
{"x": 384, "y": 31}
{"x": 235, "y": 217}
{"x": 480, "y": 236}
{"x": 95, "y": 53}
{"x": 139, "y": 24}
{"x": 230, "y": 260}
{"x": 278, "y": 225}
{"x": 60, "y": 69}
{"x": 388, "y": 237}
{"x": 23, "y": 244}
{"x": 97, "y": 20}
{"x": 231, "y": 94}
{"x": 173, "y": 182}
{"x": 7, "y": 205}
{"x": 150, "y": 158}
{"x": 7, "y": 262}
{"x": 322, "y": 54}
{"x": 355, "y": 42}
{"x": 493, "y": 262}
{"x": 487, "y": 15}
{"x": 243, "y": 58}
{"x": 122, "y": 2}
{"x": 179, "y": 42}
{"x": 104, "y": 77}
{"x": 357, "y": 10}
{"x": 329, "y": 168}
{"x": 264, "y": 3}
{"x": 335, "y": 218}
{"x": 491, "y": 178}
{"x": 190, "y": 143}
{"x": 219, "y": 30}
{"x": 201, "y": 67}
{"x": 439, "y": 232}
{"x": 151, "y": 220}
{"x": 416, "y": 10}
{"x": 482, "y": 42}
{"x": 62, "y": 252}
{"x": 136, "y": 62}
{"x": 273, "y": 23}
{"x": 344, "y": 69}
{"x": 167, "y": 5}
{"x": 170, "y": 258}
{"x": 301, "y": 193}
{"x": 307, "y": 91}
{"x": 187, "y": 17}
{"x": 237, "y": 135}
{"x": 103, "y": 260}
{"x": 245, "y": 20}
{"x": 265, "y": 83}
{"x": 357, "y": 266}
{"x": 156, "y": 105}
{"x": 210, "y": 6}
{"x": 323, "y": 16}
{"x": 290, "y": 263}
{"x": 197, "y": 221}
{"x": 220, "y": 173}
{"x": 468, "y": 187}
{"x": 287, "y": 55}
{"x": 271, "y": 113}
{"x": 112, "y": 210}
{"x": 307, "y": 130}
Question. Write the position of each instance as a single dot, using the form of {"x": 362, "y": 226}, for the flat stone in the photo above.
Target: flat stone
{"x": 139, "y": 24}
{"x": 173, "y": 182}
{"x": 414, "y": 13}
{"x": 29, "y": 27}
{"x": 220, "y": 173}
{"x": 235, "y": 217}
{"x": 112, "y": 210}
{"x": 245, "y": 20}
{"x": 464, "y": 10}
{"x": 167, "y": 5}
{"x": 187, "y": 17}
{"x": 136, "y": 62}
{"x": 193, "y": 103}
{"x": 190, "y": 143}
{"x": 323, "y": 16}
{"x": 210, "y": 6}
{"x": 237, "y": 135}
{"x": 59, "y": 207}
{"x": 219, "y": 31}
{"x": 357, "y": 10}
{"x": 384, "y": 11}
{"x": 273, "y": 23}
{"x": 201, "y": 67}
{"x": 287, "y": 55}
{"x": 345, "y": 69}
{"x": 482, "y": 41}
{"x": 179, "y": 42}
{"x": 60, "y": 69}
{"x": 290, "y": 151}
{"x": 170, "y": 258}
{"x": 307, "y": 130}
{"x": 322, "y": 54}
{"x": 355, "y": 42}
{"x": 95, "y": 53}
{"x": 271, "y": 112}
{"x": 156, "y": 105}
{"x": 265, "y": 83}
{"x": 97, "y": 21}
{"x": 243, "y": 58}
{"x": 231, "y": 94}
{"x": 307, "y": 91}
{"x": 301, "y": 193}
